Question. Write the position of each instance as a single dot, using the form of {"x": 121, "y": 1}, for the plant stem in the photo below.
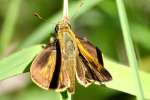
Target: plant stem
{"x": 130, "y": 48}
{"x": 65, "y": 10}
{"x": 9, "y": 24}
{"x": 65, "y": 96}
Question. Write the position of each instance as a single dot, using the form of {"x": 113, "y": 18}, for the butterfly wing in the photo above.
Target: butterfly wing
{"x": 91, "y": 50}
{"x": 92, "y": 56}
{"x": 43, "y": 67}
{"x": 60, "y": 81}
{"x": 83, "y": 72}
{"x": 66, "y": 79}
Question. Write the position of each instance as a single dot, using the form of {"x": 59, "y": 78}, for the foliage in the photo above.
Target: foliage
{"x": 98, "y": 20}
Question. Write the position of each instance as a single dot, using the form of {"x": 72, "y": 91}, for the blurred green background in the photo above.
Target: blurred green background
{"x": 100, "y": 24}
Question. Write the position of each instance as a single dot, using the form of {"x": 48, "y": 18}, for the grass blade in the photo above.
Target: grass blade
{"x": 9, "y": 24}
{"x": 123, "y": 78}
{"x": 130, "y": 49}
{"x": 17, "y": 63}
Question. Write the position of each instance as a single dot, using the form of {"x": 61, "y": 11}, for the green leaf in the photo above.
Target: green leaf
{"x": 123, "y": 79}
{"x": 32, "y": 94}
{"x": 9, "y": 24}
{"x": 44, "y": 30}
{"x": 17, "y": 63}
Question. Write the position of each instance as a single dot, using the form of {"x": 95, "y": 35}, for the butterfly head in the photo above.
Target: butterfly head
{"x": 62, "y": 26}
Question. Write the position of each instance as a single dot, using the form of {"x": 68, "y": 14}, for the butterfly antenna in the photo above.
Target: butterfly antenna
{"x": 38, "y": 16}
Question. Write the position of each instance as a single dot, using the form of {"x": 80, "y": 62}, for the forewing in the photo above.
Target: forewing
{"x": 92, "y": 56}
{"x": 91, "y": 49}
{"x": 64, "y": 80}
{"x": 43, "y": 67}
{"x": 60, "y": 81}
{"x": 68, "y": 62}
{"x": 93, "y": 74}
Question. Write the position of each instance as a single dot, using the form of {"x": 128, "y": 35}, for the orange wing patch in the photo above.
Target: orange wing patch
{"x": 92, "y": 59}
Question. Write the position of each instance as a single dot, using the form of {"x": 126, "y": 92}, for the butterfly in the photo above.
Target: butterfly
{"x": 67, "y": 58}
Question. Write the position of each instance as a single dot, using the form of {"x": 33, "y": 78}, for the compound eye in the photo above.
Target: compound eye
{"x": 56, "y": 28}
